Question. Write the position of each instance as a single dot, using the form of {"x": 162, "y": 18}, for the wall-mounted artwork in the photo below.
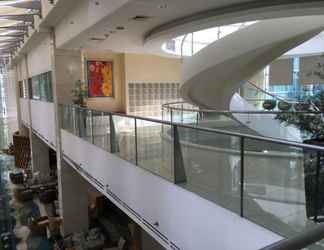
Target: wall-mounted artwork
{"x": 100, "y": 78}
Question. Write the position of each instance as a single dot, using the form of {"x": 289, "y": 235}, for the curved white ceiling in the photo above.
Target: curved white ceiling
{"x": 213, "y": 75}
{"x": 240, "y": 12}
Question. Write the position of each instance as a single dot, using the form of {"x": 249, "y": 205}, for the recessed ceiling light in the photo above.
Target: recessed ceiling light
{"x": 97, "y": 39}
{"x": 163, "y": 6}
{"x": 141, "y": 18}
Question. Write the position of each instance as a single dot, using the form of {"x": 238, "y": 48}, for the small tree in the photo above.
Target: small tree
{"x": 312, "y": 124}
{"x": 79, "y": 92}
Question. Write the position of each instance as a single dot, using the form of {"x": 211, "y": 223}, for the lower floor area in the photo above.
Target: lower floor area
{"x": 41, "y": 211}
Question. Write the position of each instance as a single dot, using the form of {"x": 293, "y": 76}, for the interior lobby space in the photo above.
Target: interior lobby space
{"x": 150, "y": 125}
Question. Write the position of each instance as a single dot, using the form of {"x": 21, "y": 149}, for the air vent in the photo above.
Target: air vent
{"x": 97, "y": 39}
{"x": 141, "y": 18}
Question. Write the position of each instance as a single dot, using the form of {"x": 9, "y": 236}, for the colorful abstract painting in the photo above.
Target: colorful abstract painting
{"x": 100, "y": 78}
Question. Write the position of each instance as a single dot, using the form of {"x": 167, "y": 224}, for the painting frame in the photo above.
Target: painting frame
{"x": 89, "y": 78}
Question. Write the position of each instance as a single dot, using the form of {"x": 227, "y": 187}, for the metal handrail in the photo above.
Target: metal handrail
{"x": 300, "y": 241}
{"x": 227, "y": 112}
{"x": 265, "y": 92}
{"x": 278, "y": 97}
{"x": 178, "y": 165}
{"x": 211, "y": 130}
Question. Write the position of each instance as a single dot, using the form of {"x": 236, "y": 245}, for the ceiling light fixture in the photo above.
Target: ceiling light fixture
{"x": 141, "y": 18}
{"x": 163, "y": 6}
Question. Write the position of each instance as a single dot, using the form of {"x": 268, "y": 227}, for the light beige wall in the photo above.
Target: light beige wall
{"x": 132, "y": 68}
{"x": 116, "y": 103}
{"x": 68, "y": 71}
{"x": 151, "y": 68}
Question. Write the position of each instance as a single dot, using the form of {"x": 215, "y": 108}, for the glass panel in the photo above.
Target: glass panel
{"x": 49, "y": 89}
{"x": 212, "y": 166}
{"x": 176, "y": 114}
{"x": 35, "y": 88}
{"x": 155, "y": 148}
{"x": 316, "y": 246}
{"x": 67, "y": 118}
{"x": 274, "y": 187}
{"x": 42, "y": 87}
{"x": 80, "y": 123}
{"x": 88, "y": 125}
{"x": 101, "y": 130}
{"x": 124, "y": 137}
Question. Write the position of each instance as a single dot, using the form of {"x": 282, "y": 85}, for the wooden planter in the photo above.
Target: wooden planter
{"x": 21, "y": 150}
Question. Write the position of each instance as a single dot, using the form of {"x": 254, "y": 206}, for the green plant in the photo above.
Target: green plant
{"x": 79, "y": 92}
{"x": 311, "y": 124}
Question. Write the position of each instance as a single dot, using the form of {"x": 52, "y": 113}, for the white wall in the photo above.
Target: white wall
{"x": 43, "y": 120}
{"x": 39, "y": 59}
{"x": 24, "y": 109}
{"x": 22, "y": 70}
{"x": 185, "y": 219}
{"x": 84, "y": 15}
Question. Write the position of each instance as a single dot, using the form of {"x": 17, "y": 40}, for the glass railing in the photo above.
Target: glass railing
{"x": 265, "y": 100}
{"x": 274, "y": 183}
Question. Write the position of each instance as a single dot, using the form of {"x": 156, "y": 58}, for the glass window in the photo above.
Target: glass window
{"x": 35, "y": 88}
{"x": 42, "y": 87}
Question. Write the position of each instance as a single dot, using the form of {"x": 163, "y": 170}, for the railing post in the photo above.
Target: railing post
{"x": 178, "y": 164}
{"x": 318, "y": 165}
{"x": 171, "y": 115}
{"x": 91, "y": 127}
{"x": 242, "y": 178}
{"x": 197, "y": 118}
{"x": 113, "y": 148}
{"x": 136, "y": 148}
{"x": 181, "y": 113}
{"x": 106, "y": 131}
{"x": 74, "y": 120}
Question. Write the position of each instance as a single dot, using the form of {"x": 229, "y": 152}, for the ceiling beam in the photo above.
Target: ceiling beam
{"x": 15, "y": 27}
{"x": 10, "y": 47}
{"x": 9, "y": 42}
{"x": 22, "y": 17}
{"x": 31, "y": 5}
{"x": 13, "y": 35}
{"x": 5, "y": 39}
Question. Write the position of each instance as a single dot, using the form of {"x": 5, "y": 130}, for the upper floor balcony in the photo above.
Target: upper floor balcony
{"x": 37, "y": 109}
{"x": 182, "y": 181}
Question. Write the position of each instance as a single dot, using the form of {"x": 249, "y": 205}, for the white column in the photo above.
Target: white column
{"x": 74, "y": 200}
{"x": 40, "y": 155}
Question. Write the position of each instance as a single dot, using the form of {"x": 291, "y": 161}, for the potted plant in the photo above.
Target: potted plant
{"x": 312, "y": 126}
{"x": 284, "y": 106}
{"x": 80, "y": 93}
{"x": 269, "y": 104}
{"x": 302, "y": 106}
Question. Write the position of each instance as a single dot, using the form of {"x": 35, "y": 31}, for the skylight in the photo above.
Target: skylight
{"x": 191, "y": 43}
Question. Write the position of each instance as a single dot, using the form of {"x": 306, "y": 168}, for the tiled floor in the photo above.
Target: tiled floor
{"x": 13, "y": 212}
